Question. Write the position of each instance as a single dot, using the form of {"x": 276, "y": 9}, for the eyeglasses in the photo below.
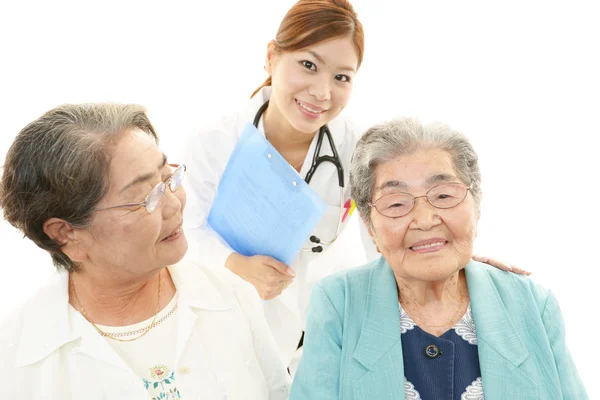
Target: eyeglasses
{"x": 399, "y": 204}
{"x": 154, "y": 198}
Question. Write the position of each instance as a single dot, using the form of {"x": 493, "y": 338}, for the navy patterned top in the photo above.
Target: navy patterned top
{"x": 441, "y": 368}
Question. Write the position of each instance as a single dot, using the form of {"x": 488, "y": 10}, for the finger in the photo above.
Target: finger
{"x": 280, "y": 267}
{"x": 480, "y": 258}
{"x": 274, "y": 278}
{"x": 494, "y": 263}
{"x": 272, "y": 294}
{"x": 521, "y": 271}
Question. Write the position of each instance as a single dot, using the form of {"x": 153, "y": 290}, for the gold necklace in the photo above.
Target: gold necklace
{"x": 110, "y": 335}
{"x": 450, "y": 321}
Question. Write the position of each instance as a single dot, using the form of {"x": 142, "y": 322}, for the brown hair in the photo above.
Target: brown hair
{"x": 58, "y": 167}
{"x": 313, "y": 21}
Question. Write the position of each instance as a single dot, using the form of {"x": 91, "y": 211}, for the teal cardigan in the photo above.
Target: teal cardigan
{"x": 352, "y": 346}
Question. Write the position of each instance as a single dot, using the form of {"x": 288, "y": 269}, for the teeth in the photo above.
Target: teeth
{"x": 426, "y": 246}
{"x": 307, "y": 108}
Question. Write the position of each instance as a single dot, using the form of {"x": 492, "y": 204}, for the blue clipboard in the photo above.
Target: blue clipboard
{"x": 262, "y": 205}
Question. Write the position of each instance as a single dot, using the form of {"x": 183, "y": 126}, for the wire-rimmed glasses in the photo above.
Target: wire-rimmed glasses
{"x": 399, "y": 204}
{"x": 152, "y": 201}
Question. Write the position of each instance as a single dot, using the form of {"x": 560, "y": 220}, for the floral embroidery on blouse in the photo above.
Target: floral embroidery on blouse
{"x": 162, "y": 386}
{"x": 474, "y": 391}
{"x": 410, "y": 393}
{"x": 406, "y": 323}
{"x": 465, "y": 328}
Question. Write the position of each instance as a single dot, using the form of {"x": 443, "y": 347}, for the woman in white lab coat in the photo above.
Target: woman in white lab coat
{"x": 312, "y": 63}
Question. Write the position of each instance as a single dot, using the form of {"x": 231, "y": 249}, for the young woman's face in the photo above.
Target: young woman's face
{"x": 312, "y": 86}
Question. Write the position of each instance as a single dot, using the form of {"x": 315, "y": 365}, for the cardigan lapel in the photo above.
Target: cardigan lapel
{"x": 500, "y": 347}
{"x": 379, "y": 348}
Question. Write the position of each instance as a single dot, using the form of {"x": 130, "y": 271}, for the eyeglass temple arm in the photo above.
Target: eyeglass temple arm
{"x": 140, "y": 204}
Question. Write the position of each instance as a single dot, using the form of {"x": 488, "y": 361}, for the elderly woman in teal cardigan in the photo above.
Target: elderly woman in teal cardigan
{"x": 424, "y": 321}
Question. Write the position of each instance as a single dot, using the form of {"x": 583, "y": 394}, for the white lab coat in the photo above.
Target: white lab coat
{"x": 207, "y": 153}
{"x": 224, "y": 349}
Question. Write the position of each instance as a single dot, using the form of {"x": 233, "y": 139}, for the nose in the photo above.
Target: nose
{"x": 173, "y": 202}
{"x": 320, "y": 88}
{"x": 424, "y": 215}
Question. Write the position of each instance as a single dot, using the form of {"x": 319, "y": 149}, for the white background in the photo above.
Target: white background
{"x": 519, "y": 78}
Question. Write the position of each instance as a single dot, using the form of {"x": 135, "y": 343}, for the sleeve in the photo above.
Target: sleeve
{"x": 570, "y": 382}
{"x": 206, "y": 155}
{"x": 318, "y": 374}
{"x": 276, "y": 375}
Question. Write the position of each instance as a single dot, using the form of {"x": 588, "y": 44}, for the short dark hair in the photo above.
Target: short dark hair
{"x": 58, "y": 167}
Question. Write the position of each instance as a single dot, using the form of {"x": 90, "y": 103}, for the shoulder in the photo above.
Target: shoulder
{"x": 20, "y": 330}
{"x": 350, "y": 285}
{"x": 345, "y": 131}
{"x": 10, "y": 328}
{"x": 213, "y": 285}
{"x": 218, "y": 132}
{"x": 519, "y": 288}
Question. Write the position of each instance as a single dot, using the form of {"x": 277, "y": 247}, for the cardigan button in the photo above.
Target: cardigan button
{"x": 432, "y": 351}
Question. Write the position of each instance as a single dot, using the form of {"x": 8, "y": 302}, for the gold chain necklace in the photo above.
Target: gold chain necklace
{"x": 450, "y": 321}
{"x": 110, "y": 335}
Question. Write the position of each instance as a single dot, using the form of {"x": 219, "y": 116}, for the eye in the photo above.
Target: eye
{"x": 309, "y": 65}
{"x": 396, "y": 205}
{"x": 342, "y": 78}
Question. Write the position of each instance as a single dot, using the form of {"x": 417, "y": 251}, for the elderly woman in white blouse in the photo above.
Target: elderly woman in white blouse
{"x": 125, "y": 317}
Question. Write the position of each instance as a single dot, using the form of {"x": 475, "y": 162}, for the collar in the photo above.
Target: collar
{"x": 45, "y": 324}
{"x": 44, "y": 321}
{"x": 381, "y": 332}
{"x": 381, "y": 328}
{"x": 492, "y": 319}
{"x": 202, "y": 288}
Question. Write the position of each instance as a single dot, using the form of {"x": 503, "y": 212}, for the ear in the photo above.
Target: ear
{"x": 62, "y": 232}
{"x": 270, "y": 57}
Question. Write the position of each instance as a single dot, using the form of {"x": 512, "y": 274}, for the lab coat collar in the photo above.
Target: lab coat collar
{"x": 46, "y": 325}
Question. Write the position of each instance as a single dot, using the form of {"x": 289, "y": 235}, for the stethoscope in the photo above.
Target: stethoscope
{"x": 316, "y": 161}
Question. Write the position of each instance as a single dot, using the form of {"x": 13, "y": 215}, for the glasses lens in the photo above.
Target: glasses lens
{"x": 395, "y": 204}
{"x": 447, "y": 195}
{"x": 177, "y": 178}
{"x": 155, "y": 197}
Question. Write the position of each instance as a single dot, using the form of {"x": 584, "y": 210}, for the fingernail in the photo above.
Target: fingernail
{"x": 510, "y": 268}
{"x": 291, "y": 272}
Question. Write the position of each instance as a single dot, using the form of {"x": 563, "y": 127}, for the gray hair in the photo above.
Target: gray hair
{"x": 58, "y": 167}
{"x": 402, "y": 137}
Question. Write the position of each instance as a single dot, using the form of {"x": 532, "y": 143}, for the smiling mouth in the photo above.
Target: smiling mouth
{"x": 172, "y": 235}
{"x": 309, "y": 108}
{"x": 428, "y": 246}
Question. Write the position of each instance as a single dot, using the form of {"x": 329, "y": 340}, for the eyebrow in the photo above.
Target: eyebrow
{"x": 320, "y": 59}
{"x": 437, "y": 178}
{"x": 145, "y": 177}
